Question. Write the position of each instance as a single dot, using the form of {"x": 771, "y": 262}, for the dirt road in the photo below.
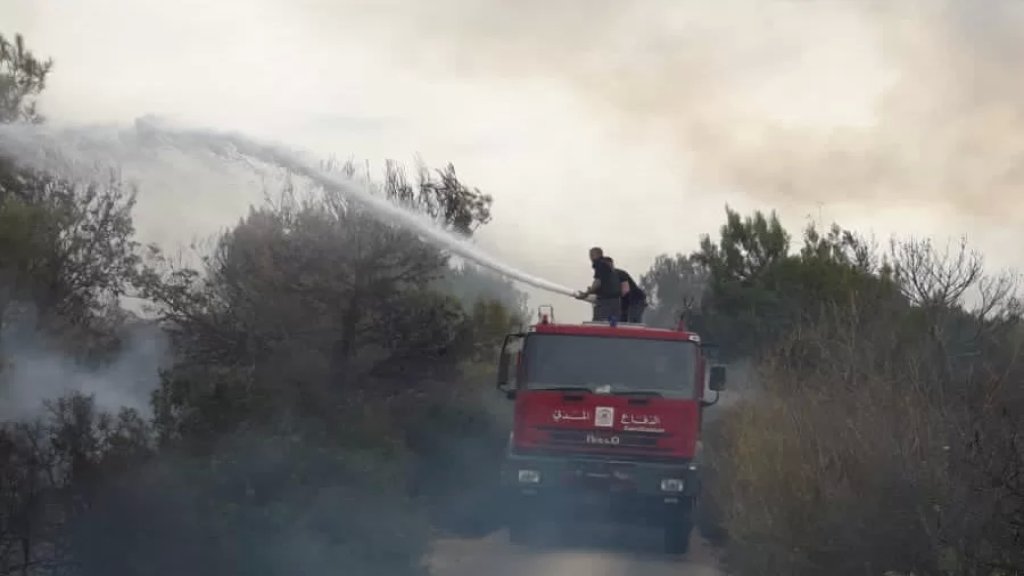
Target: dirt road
{"x": 601, "y": 554}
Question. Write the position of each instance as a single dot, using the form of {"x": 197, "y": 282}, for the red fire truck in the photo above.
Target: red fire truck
{"x": 607, "y": 425}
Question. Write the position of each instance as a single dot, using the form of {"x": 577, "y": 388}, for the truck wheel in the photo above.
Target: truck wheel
{"x": 677, "y": 537}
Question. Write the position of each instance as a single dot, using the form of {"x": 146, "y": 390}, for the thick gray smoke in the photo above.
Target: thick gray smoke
{"x": 36, "y": 370}
{"x": 916, "y": 101}
{"x": 82, "y": 151}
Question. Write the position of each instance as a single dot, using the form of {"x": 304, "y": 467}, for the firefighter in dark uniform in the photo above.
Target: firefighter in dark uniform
{"x": 605, "y": 287}
{"x": 634, "y": 299}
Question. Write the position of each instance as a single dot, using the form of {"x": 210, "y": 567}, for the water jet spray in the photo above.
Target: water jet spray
{"x": 71, "y": 150}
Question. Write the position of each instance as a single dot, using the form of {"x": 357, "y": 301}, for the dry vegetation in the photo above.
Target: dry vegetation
{"x": 881, "y": 428}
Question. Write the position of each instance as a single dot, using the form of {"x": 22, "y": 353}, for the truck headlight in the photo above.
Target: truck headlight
{"x": 529, "y": 477}
{"x": 671, "y": 485}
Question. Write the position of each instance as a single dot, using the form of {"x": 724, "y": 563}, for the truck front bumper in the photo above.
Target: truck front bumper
{"x": 585, "y": 488}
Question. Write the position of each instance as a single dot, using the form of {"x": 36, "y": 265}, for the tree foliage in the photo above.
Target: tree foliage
{"x": 890, "y": 385}
{"x": 756, "y": 288}
{"x": 22, "y": 77}
{"x": 310, "y": 297}
{"x": 66, "y": 249}
{"x": 675, "y": 288}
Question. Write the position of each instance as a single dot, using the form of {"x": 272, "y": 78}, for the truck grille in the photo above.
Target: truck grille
{"x": 601, "y": 438}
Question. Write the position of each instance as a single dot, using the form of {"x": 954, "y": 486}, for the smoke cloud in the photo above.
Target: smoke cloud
{"x": 35, "y": 370}
{"x": 912, "y": 102}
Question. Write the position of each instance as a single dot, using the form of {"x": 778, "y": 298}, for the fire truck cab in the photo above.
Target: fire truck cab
{"x": 607, "y": 425}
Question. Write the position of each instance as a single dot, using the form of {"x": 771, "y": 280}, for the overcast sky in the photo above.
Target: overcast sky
{"x": 592, "y": 122}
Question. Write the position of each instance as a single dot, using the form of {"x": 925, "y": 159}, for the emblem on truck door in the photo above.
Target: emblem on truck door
{"x": 604, "y": 417}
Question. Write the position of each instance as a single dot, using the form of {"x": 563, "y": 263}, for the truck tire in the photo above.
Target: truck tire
{"x": 677, "y": 537}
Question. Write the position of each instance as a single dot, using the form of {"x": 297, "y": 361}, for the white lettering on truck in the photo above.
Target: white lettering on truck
{"x": 645, "y": 423}
{"x": 605, "y": 440}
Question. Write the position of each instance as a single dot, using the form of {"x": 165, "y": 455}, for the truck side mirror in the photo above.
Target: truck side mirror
{"x": 505, "y": 377}
{"x": 502, "y": 382}
{"x": 717, "y": 380}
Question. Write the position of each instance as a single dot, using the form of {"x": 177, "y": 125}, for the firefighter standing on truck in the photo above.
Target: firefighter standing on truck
{"x": 605, "y": 287}
{"x": 634, "y": 299}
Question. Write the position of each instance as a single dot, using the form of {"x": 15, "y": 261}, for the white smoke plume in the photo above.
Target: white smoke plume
{"x": 791, "y": 102}
{"x": 36, "y": 370}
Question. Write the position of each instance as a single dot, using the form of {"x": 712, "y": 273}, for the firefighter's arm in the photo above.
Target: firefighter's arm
{"x": 583, "y": 294}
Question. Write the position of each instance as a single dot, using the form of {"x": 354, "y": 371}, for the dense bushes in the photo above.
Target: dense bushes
{"x": 871, "y": 462}
{"x": 322, "y": 409}
{"x": 880, "y": 429}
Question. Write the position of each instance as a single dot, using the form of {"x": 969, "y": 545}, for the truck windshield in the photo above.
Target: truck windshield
{"x": 616, "y": 365}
